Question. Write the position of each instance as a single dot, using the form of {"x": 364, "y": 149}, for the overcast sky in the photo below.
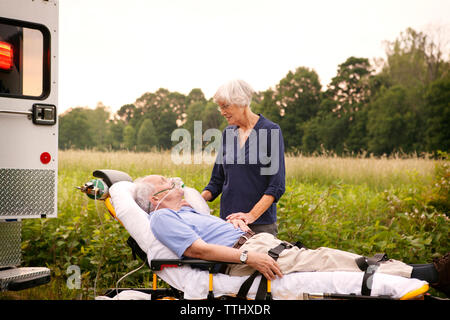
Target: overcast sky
{"x": 114, "y": 51}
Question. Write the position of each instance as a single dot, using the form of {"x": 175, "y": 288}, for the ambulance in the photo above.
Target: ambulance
{"x": 28, "y": 130}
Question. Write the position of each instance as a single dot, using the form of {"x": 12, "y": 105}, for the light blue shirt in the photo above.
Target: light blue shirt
{"x": 178, "y": 230}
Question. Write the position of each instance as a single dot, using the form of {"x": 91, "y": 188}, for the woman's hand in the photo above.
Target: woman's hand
{"x": 238, "y": 223}
{"x": 248, "y": 218}
{"x": 207, "y": 195}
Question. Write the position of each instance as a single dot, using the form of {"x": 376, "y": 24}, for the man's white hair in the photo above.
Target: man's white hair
{"x": 142, "y": 192}
{"x": 237, "y": 92}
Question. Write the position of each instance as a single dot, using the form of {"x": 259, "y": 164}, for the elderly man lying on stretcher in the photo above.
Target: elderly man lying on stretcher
{"x": 188, "y": 233}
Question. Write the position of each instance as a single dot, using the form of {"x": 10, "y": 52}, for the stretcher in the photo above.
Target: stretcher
{"x": 198, "y": 279}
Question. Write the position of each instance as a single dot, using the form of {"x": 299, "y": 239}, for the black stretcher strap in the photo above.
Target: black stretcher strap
{"x": 369, "y": 266}
{"x": 261, "y": 293}
{"x": 366, "y": 287}
{"x": 364, "y": 262}
{"x": 245, "y": 287}
{"x": 275, "y": 252}
{"x": 136, "y": 250}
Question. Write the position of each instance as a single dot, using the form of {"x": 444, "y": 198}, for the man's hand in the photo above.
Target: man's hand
{"x": 238, "y": 223}
{"x": 246, "y": 217}
{"x": 264, "y": 264}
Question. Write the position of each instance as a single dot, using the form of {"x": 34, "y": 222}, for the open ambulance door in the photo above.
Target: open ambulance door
{"x": 28, "y": 130}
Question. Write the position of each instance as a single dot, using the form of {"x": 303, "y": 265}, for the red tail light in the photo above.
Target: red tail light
{"x": 6, "y": 56}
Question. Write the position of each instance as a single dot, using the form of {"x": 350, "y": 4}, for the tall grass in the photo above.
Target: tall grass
{"x": 134, "y": 163}
{"x": 377, "y": 173}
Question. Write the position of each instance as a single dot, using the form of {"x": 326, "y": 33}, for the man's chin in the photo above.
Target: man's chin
{"x": 185, "y": 203}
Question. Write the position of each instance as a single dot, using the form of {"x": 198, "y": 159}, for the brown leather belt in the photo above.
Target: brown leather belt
{"x": 243, "y": 239}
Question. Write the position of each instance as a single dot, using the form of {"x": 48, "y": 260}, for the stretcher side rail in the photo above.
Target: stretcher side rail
{"x": 159, "y": 264}
{"x": 155, "y": 293}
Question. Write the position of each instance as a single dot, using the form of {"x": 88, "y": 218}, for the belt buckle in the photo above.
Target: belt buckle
{"x": 242, "y": 239}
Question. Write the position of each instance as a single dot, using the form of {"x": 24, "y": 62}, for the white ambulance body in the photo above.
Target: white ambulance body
{"x": 28, "y": 129}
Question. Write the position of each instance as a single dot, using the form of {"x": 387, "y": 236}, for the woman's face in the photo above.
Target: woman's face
{"x": 232, "y": 113}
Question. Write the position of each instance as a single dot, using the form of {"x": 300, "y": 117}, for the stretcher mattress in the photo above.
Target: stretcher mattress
{"x": 194, "y": 282}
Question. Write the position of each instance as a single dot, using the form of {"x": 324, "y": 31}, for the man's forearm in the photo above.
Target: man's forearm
{"x": 256, "y": 260}
{"x": 202, "y": 250}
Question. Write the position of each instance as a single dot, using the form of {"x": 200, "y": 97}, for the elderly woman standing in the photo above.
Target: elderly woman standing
{"x": 249, "y": 170}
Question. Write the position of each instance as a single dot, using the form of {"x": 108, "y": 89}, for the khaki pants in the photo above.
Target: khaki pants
{"x": 307, "y": 260}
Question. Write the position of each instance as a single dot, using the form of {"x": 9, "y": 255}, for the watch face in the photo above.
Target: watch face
{"x": 243, "y": 257}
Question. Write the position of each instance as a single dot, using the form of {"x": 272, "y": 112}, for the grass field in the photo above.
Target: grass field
{"x": 396, "y": 205}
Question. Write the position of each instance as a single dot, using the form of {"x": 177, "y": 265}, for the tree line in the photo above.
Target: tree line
{"x": 397, "y": 104}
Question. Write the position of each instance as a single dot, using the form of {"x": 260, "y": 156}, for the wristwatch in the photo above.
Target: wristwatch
{"x": 243, "y": 258}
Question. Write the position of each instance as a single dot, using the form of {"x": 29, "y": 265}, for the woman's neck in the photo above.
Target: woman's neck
{"x": 248, "y": 121}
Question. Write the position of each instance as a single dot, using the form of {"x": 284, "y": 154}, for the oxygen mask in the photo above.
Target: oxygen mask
{"x": 177, "y": 182}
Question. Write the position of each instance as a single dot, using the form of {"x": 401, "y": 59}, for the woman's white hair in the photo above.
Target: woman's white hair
{"x": 142, "y": 192}
{"x": 237, "y": 92}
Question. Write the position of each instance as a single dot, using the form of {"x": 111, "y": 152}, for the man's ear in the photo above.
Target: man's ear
{"x": 154, "y": 200}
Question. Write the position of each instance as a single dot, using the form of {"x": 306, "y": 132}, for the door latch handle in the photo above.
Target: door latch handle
{"x": 44, "y": 114}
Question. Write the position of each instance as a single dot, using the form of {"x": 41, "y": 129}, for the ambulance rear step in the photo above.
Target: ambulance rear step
{"x": 15, "y": 279}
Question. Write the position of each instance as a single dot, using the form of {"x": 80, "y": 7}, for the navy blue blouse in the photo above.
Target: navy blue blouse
{"x": 244, "y": 175}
